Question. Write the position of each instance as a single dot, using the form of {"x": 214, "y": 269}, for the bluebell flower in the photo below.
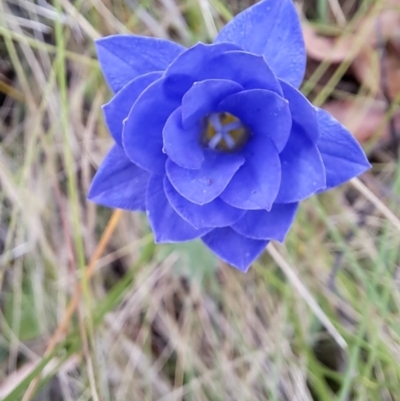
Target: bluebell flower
{"x": 215, "y": 141}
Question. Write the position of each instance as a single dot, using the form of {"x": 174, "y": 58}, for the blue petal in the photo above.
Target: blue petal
{"x": 142, "y": 134}
{"x": 234, "y": 248}
{"x": 249, "y": 70}
{"x": 118, "y": 108}
{"x": 303, "y": 171}
{"x": 224, "y": 61}
{"x": 205, "y": 184}
{"x": 341, "y": 154}
{"x": 303, "y": 112}
{"x": 261, "y": 224}
{"x": 203, "y": 98}
{"x": 214, "y": 214}
{"x": 264, "y": 112}
{"x": 191, "y": 62}
{"x": 124, "y": 57}
{"x": 256, "y": 184}
{"x": 271, "y": 28}
{"x": 182, "y": 145}
{"x": 119, "y": 183}
{"x": 166, "y": 224}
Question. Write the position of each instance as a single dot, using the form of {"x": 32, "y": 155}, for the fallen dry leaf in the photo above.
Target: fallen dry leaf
{"x": 366, "y": 68}
{"x": 378, "y": 72}
{"x": 386, "y": 25}
{"x": 364, "y": 118}
{"x": 380, "y": 57}
{"x": 361, "y": 46}
{"x": 392, "y": 69}
{"x": 320, "y": 48}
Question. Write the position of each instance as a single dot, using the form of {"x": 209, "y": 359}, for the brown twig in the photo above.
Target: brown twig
{"x": 73, "y": 304}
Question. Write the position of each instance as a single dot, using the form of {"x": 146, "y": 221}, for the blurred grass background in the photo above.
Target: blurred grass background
{"x": 170, "y": 322}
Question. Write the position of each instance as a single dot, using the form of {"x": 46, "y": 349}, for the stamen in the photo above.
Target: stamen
{"x": 216, "y": 122}
{"x": 230, "y": 142}
{"x": 216, "y": 139}
{"x": 224, "y": 132}
{"x": 231, "y": 126}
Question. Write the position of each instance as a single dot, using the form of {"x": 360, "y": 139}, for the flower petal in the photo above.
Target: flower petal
{"x": 205, "y": 184}
{"x": 214, "y": 214}
{"x": 303, "y": 171}
{"x": 182, "y": 145}
{"x": 166, "y": 224}
{"x": 271, "y": 28}
{"x": 256, "y": 184}
{"x": 264, "y": 112}
{"x": 191, "y": 62}
{"x": 249, "y": 70}
{"x": 261, "y": 224}
{"x": 233, "y": 248}
{"x": 341, "y": 154}
{"x": 119, "y": 183}
{"x": 203, "y": 98}
{"x": 124, "y": 57}
{"x": 303, "y": 112}
{"x": 142, "y": 133}
{"x": 224, "y": 61}
{"x": 118, "y": 108}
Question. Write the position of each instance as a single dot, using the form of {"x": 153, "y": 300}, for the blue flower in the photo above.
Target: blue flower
{"x": 215, "y": 141}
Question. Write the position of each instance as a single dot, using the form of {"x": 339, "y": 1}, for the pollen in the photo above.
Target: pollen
{"x": 224, "y": 132}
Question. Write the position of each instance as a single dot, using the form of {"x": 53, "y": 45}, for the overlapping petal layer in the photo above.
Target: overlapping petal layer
{"x": 125, "y": 57}
{"x": 302, "y": 111}
{"x": 257, "y": 182}
{"x": 216, "y": 142}
{"x": 233, "y": 247}
{"x": 264, "y": 113}
{"x": 214, "y": 214}
{"x": 142, "y": 134}
{"x": 182, "y": 145}
{"x": 118, "y": 108}
{"x": 191, "y": 62}
{"x": 263, "y": 224}
{"x": 203, "y": 98}
{"x": 341, "y": 154}
{"x": 119, "y": 183}
{"x": 166, "y": 224}
{"x": 205, "y": 184}
{"x": 271, "y": 28}
{"x": 303, "y": 172}
{"x": 224, "y": 61}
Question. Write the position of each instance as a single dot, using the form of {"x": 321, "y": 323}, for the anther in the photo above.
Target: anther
{"x": 224, "y": 132}
{"x": 215, "y": 140}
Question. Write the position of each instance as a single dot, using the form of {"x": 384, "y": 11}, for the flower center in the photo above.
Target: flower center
{"x": 224, "y": 132}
